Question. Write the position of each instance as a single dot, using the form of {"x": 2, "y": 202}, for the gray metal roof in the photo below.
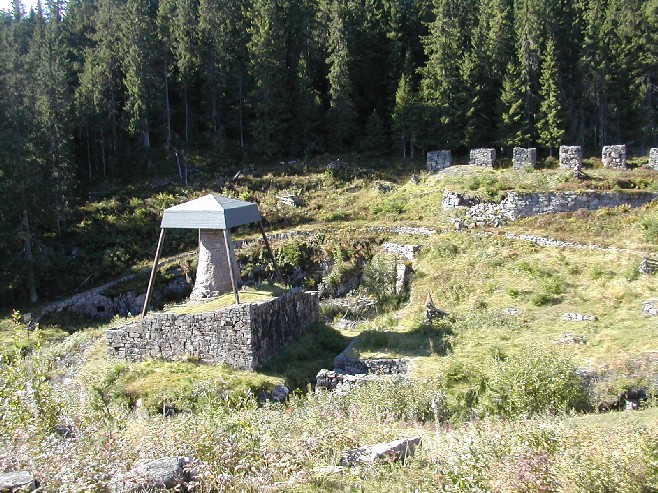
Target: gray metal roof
{"x": 210, "y": 212}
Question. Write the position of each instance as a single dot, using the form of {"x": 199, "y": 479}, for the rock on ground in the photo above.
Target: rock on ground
{"x": 394, "y": 451}
{"x": 17, "y": 481}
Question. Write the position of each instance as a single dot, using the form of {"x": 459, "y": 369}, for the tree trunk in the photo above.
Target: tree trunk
{"x": 240, "y": 110}
{"x": 167, "y": 108}
{"x": 146, "y": 139}
{"x": 187, "y": 115}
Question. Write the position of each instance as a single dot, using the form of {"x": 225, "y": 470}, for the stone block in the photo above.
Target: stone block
{"x": 614, "y": 156}
{"x": 393, "y": 451}
{"x": 524, "y": 158}
{"x": 438, "y": 160}
{"x": 653, "y": 158}
{"x": 571, "y": 157}
{"x": 482, "y": 157}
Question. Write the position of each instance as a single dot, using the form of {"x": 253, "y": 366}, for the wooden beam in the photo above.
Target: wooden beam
{"x": 269, "y": 250}
{"x": 149, "y": 290}
{"x": 227, "y": 239}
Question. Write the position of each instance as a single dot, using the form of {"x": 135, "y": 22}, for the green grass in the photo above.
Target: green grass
{"x": 258, "y": 294}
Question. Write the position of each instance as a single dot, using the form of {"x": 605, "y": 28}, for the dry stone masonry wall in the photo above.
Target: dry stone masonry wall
{"x": 653, "y": 158}
{"x": 524, "y": 158}
{"x": 438, "y": 160}
{"x": 614, "y": 156}
{"x": 571, "y": 157}
{"x": 522, "y": 204}
{"x": 242, "y": 336}
{"x": 482, "y": 157}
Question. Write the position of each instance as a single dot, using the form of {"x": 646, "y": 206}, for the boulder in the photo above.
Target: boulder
{"x": 152, "y": 475}
{"x": 17, "y": 481}
{"x": 392, "y": 451}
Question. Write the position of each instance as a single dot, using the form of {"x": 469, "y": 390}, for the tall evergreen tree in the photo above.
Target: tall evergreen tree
{"x": 514, "y": 125}
{"x": 550, "y": 118}
{"x": 341, "y": 115}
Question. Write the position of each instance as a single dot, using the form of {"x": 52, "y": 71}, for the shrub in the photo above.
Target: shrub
{"x": 379, "y": 277}
{"x": 533, "y": 381}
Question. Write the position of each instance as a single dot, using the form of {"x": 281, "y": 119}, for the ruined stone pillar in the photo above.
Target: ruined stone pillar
{"x": 522, "y": 157}
{"x": 614, "y": 156}
{"x": 438, "y": 160}
{"x": 571, "y": 157}
{"x": 482, "y": 157}
{"x": 653, "y": 158}
{"x": 212, "y": 275}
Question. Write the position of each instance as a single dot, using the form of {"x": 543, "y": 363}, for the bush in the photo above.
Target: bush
{"x": 531, "y": 382}
{"x": 379, "y": 277}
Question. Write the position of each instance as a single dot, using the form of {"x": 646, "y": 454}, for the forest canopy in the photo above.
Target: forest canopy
{"x": 90, "y": 89}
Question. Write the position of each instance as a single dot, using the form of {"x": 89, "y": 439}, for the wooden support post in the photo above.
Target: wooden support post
{"x": 269, "y": 250}
{"x": 227, "y": 239}
{"x": 149, "y": 290}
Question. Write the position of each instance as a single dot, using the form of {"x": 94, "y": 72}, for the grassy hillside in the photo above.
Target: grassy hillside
{"x": 499, "y": 403}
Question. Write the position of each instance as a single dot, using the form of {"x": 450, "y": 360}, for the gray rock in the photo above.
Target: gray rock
{"x": 17, "y": 481}
{"x": 163, "y": 473}
{"x": 280, "y": 393}
{"x": 393, "y": 451}
{"x": 579, "y": 317}
{"x": 653, "y": 158}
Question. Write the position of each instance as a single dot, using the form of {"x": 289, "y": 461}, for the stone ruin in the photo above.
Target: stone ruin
{"x": 524, "y": 158}
{"x": 482, "y": 157}
{"x": 571, "y": 157}
{"x": 653, "y": 158}
{"x": 614, "y": 157}
{"x": 438, "y": 160}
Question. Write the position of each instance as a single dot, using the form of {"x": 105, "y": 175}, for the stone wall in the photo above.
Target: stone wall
{"x": 653, "y": 158}
{"x": 438, "y": 160}
{"x": 571, "y": 157}
{"x": 482, "y": 157}
{"x": 524, "y": 158}
{"x": 525, "y": 204}
{"x": 242, "y": 336}
{"x": 614, "y": 156}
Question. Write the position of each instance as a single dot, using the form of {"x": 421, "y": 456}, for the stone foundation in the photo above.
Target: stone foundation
{"x": 524, "y": 204}
{"x": 524, "y": 158}
{"x": 653, "y": 158}
{"x": 482, "y": 157}
{"x": 571, "y": 157}
{"x": 614, "y": 156}
{"x": 438, "y": 160}
{"x": 241, "y": 336}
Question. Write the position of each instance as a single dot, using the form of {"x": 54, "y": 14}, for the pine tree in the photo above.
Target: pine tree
{"x": 341, "y": 115}
{"x": 406, "y": 116}
{"x": 374, "y": 141}
{"x": 550, "y": 120}
{"x": 307, "y": 108}
{"x": 514, "y": 124}
{"x": 139, "y": 50}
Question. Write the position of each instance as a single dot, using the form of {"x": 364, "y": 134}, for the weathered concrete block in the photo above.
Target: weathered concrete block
{"x": 614, "y": 156}
{"x": 482, "y": 157}
{"x": 653, "y": 158}
{"x": 524, "y": 158}
{"x": 571, "y": 157}
{"x": 438, "y": 160}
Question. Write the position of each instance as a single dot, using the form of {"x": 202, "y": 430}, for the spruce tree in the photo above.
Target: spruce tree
{"x": 374, "y": 140}
{"x": 341, "y": 115}
{"x": 550, "y": 118}
{"x": 513, "y": 124}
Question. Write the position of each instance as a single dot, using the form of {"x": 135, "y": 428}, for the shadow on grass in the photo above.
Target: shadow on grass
{"x": 425, "y": 340}
{"x": 300, "y": 362}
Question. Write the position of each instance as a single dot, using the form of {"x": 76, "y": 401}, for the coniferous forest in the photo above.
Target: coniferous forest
{"x": 92, "y": 90}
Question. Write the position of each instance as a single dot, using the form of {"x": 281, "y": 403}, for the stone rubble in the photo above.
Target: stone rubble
{"x": 579, "y": 317}
{"x": 569, "y": 338}
{"x": 650, "y": 307}
{"x": 396, "y": 450}
{"x": 407, "y": 252}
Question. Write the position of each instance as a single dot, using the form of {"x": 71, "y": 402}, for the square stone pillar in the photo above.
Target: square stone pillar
{"x": 438, "y": 160}
{"x": 614, "y": 157}
{"x": 653, "y": 158}
{"x": 212, "y": 276}
{"x": 571, "y": 157}
{"x": 524, "y": 158}
{"x": 482, "y": 157}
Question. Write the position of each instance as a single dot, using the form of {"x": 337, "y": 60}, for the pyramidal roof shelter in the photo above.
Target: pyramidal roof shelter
{"x": 214, "y": 216}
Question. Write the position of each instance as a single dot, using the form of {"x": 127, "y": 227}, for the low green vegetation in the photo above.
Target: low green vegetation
{"x": 496, "y": 386}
